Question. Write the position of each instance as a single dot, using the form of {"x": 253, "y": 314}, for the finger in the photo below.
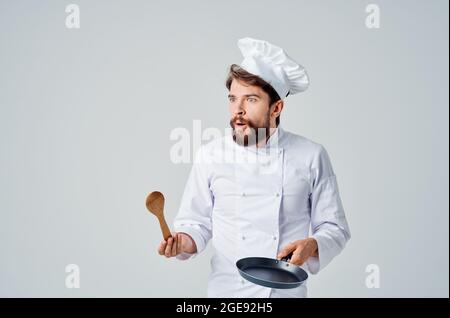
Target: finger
{"x": 286, "y": 250}
{"x": 168, "y": 247}
{"x": 162, "y": 247}
{"x": 179, "y": 238}
{"x": 297, "y": 258}
{"x": 174, "y": 246}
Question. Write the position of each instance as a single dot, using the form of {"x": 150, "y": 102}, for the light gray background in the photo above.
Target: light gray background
{"x": 85, "y": 119}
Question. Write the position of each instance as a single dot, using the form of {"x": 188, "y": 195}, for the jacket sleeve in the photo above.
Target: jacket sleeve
{"x": 194, "y": 214}
{"x": 328, "y": 222}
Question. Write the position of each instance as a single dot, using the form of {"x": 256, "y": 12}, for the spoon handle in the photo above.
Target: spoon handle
{"x": 164, "y": 228}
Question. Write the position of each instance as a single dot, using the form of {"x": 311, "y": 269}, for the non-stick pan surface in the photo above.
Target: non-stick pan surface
{"x": 271, "y": 272}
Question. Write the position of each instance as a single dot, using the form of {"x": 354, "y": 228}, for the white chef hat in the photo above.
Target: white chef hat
{"x": 274, "y": 66}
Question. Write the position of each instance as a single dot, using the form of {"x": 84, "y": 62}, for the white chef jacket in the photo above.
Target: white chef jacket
{"x": 254, "y": 201}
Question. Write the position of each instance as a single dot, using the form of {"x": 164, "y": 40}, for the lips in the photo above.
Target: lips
{"x": 240, "y": 122}
{"x": 240, "y": 125}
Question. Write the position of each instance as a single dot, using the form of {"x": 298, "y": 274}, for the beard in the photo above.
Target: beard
{"x": 249, "y": 133}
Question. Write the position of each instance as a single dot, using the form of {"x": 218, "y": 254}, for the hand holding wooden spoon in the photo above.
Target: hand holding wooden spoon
{"x": 173, "y": 243}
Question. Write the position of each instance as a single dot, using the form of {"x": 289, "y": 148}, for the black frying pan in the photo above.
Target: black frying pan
{"x": 273, "y": 273}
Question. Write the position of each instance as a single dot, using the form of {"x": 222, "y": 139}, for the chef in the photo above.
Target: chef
{"x": 260, "y": 191}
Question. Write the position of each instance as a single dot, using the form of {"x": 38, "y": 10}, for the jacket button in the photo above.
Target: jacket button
{"x": 277, "y": 194}
{"x": 243, "y": 237}
{"x": 274, "y": 238}
{"x": 243, "y": 194}
{"x": 242, "y": 281}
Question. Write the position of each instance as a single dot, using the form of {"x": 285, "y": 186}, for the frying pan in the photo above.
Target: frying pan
{"x": 272, "y": 273}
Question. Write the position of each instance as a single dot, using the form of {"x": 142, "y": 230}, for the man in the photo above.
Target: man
{"x": 287, "y": 200}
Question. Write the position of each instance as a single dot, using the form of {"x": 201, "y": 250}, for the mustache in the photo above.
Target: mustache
{"x": 236, "y": 119}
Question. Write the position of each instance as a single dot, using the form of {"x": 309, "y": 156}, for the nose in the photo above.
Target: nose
{"x": 239, "y": 109}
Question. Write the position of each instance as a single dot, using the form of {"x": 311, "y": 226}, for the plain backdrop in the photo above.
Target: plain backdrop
{"x": 86, "y": 115}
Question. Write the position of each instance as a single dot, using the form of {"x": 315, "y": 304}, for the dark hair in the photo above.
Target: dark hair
{"x": 238, "y": 73}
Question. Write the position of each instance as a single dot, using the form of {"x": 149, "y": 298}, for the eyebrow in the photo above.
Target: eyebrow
{"x": 247, "y": 95}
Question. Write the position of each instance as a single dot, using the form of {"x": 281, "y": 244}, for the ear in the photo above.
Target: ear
{"x": 277, "y": 107}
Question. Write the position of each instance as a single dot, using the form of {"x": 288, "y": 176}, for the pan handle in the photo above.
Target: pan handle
{"x": 288, "y": 257}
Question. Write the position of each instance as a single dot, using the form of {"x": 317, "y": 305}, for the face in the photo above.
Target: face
{"x": 250, "y": 112}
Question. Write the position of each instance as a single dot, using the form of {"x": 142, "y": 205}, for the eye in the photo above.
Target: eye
{"x": 251, "y": 100}
{"x": 231, "y": 99}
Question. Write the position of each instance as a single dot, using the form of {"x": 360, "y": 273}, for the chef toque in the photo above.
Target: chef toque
{"x": 274, "y": 66}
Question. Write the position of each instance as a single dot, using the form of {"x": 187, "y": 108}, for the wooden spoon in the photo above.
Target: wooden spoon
{"x": 155, "y": 204}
